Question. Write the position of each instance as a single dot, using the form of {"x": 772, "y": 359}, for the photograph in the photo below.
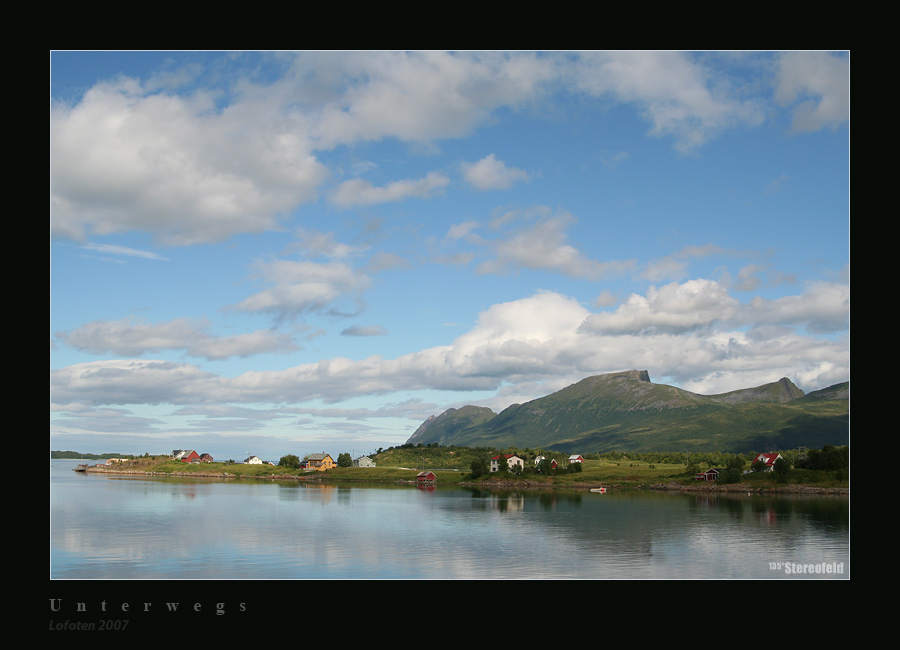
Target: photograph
{"x": 443, "y": 315}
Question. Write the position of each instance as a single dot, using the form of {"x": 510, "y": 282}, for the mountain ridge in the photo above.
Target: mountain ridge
{"x": 626, "y": 411}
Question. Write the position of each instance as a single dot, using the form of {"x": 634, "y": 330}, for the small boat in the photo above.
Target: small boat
{"x": 600, "y": 490}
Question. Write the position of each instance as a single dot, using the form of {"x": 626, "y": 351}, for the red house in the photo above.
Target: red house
{"x": 188, "y": 456}
{"x": 425, "y": 477}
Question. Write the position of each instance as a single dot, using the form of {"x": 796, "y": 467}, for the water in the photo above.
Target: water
{"x": 105, "y": 527}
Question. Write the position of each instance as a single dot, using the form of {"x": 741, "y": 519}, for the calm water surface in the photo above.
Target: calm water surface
{"x": 105, "y": 527}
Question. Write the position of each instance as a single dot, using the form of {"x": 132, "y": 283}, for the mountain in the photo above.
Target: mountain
{"x": 625, "y": 411}
{"x": 444, "y": 427}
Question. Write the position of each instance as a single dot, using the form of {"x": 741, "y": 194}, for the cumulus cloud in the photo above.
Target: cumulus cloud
{"x": 544, "y": 245}
{"x": 302, "y": 286}
{"x": 492, "y": 174}
{"x": 418, "y": 96}
{"x": 209, "y": 163}
{"x": 817, "y": 86}
{"x": 125, "y": 158}
{"x": 671, "y": 308}
{"x": 823, "y": 308}
{"x": 692, "y": 333}
{"x": 675, "y": 92}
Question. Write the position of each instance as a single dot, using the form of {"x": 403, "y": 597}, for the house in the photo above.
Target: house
{"x": 541, "y": 459}
{"x": 768, "y": 459}
{"x": 206, "y": 458}
{"x": 576, "y": 458}
{"x": 187, "y": 456}
{"x": 364, "y": 461}
{"x": 252, "y": 460}
{"x": 318, "y": 462}
{"x": 711, "y": 474}
{"x": 426, "y": 477}
{"x": 511, "y": 461}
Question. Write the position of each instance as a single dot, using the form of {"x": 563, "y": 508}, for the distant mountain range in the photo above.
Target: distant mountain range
{"x": 625, "y": 411}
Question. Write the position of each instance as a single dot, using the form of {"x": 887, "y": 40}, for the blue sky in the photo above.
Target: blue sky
{"x": 293, "y": 252}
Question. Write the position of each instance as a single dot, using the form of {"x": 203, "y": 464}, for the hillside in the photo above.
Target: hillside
{"x": 625, "y": 411}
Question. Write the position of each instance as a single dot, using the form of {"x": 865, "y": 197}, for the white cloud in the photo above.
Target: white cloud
{"x": 128, "y": 338}
{"x": 193, "y": 168}
{"x": 492, "y": 174}
{"x": 122, "y": 251}
{"x": 671, "y": 308}
{"x": 357, "y": 192}
{"x": 544, "y": 246}
{"x": 364, "y": 330}
{"x": 682, "y": 332}
{"x": 300, "y": 286}
{"x": 126, "y": 159}
{"x": 418, "y": 96}
{"x": 674, "y": 267}
{"x": 674, "y": 91}
{"x": 817, "y": 86}
{"x": 823, "y": 308}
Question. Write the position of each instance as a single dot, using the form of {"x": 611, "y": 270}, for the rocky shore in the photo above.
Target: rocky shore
{"x": 705, "y": 487}
{"x": 738, "y": 488}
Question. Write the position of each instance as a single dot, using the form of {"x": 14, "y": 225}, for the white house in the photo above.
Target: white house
{"x": 253, "y": 460}
{"x": 364, "y": 461}
{"x": 769, "y": 460}
{"x": 511, "y": 461}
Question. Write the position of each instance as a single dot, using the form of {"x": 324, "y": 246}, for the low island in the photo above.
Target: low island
{"x": 824, "y": 471}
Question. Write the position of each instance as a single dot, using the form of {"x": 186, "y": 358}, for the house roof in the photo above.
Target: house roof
{"x": 321, "y": 456}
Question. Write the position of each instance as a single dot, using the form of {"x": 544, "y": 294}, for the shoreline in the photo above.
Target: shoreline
{"x": 728, "y": 488}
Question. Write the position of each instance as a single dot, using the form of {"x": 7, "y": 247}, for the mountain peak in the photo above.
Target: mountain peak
{"x": 640, "y": 375}
{"x": 626, "y": 411}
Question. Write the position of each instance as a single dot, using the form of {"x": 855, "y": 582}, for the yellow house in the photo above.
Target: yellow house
{"x": 318, "y": 462}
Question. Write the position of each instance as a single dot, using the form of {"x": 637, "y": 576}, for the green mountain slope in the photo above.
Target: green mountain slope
{"x": 627, "y": 412}
{"x": 444, "y": 428}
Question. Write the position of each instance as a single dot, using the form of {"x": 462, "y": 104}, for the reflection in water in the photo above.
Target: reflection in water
{"x": 136, "y": 528}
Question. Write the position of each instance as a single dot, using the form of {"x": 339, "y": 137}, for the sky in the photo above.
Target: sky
{"x": 271, "y": 253}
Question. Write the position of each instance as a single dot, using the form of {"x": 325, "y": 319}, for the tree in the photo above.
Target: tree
{"x": 344, "y": 460}
{"x": 546, "y": 467}
{"x": 479, "y": 468}
{"x": 290, "y": 460}
{"x": 782, "y": 470}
